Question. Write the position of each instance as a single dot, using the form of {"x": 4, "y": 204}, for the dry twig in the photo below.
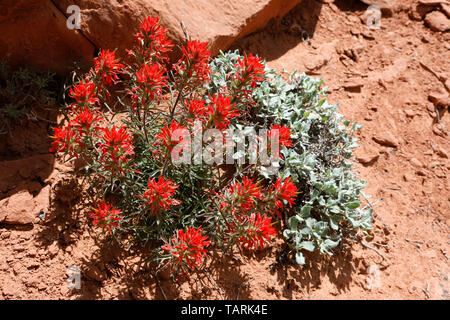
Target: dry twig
{"x": 159, "y": 285}
{"x": 372, "y": 248}
{"x": 426, "y": 291}
{"x": 441, "y": 78}
{"x": 215, "y": 283}
{"x": 416, "y": 242}
{"x": 444, "y": 253}
{"x": 186, "y": 33}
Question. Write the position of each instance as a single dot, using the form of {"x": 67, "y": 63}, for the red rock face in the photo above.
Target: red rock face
{"x": 112, "y": 25}
{"x": 37, "y": 36}
{"x": 35, "y": 33}
{"x": 12, "y": 8}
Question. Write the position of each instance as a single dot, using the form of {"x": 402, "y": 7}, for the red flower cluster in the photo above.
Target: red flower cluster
{"x": 187, "y": 248}
{"x": 245, "y": 194}
{"x": 221, "y": 111}
{"x": 85, "y": 120}
{"x": 116, "y": 147}
{"x": 251, "y": 70}
{"x": 107, "y": 67}
{"x": 284, "y": 190}
{"x": 258, "y": 232}
{"x": 71, "y": 138}
{"x": 159, "y": 195}
{"x": 83, "y": 133}
{"x": 196, "y": 108}
{"x": 63, "y": 139}
{"x": 106, "y": 216}
{"x": 84, "y": 92}
{"x": 244, "y": 207}
{"x": 194, "y": 65}
{"x": 152, "y": 80}
{"x": 173, "y": 135}
{"x": 284, "y": 134}
{"x": 153, "y": 41}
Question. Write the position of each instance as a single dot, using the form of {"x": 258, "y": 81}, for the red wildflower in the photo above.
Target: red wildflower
{"x": 251, "y": 70}
{"x": 107, "y": 67}
{"x": 284, "y": 190}
{"x": 245, "y": 193}
{"x": 63, "y": 139}
{"x": 196, "y": 108}
{"x": 195, "y": 62}
{"x": 221, "y": 111}
{"x": 257, "y": 233}
{"x": 152, "y": 38}
{"x": 84, "y": 92}
{"x": 159, "y": 194}
{"x": 151, "y": 79}
{"x": 86, "y": 119}
{"x": 173, "y": 135}
{"x": 187, "y": 248}
{"x": 105, "y": 215}
{"x": 284, "y": 134}
{"x": 115, "y": 147}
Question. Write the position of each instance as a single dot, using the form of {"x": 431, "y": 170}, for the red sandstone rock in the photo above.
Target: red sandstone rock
{"x": 437, "y": 21}
{"x": 35, "y": 32}
{"x": 36, "y": 35}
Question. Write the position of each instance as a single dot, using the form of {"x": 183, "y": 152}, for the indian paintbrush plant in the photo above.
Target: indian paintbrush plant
{"x": 155, "y": 181}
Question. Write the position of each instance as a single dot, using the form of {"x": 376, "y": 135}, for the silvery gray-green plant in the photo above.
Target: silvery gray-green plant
{"x": 328, "y": 208}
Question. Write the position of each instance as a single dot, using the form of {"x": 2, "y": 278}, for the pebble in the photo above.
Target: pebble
{"x": 42, "y": 286}
{"x": 5, "y": 235}
{"x": 421, "y": 173}
{"x": 19, "y": 248}
{"x": 437, "y": 130}
{"x": 425, "y": 38}
{"x": 16, "y": 209}
{"x": 353, "y": 84}
{"x": 94, "y": 273}
{"x": 437, "y": 21}
{"x": 409, "y": 113}
{"x": 367, "y": 158}
{"x": 33, "y": 265}
{"x": 440, "y": 98}
{"x": 441, "y": 152}
{"x": 416, "y": 163}
{"x": 32, "y": 252}
{"x": 53, "y": 249}
{"x": 386, "y": 139}
{"x": 408, "y": 178}
{"x": 33, "y": 281}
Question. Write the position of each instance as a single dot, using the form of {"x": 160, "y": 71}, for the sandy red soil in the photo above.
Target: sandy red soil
{"x": 382, "y": 79}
